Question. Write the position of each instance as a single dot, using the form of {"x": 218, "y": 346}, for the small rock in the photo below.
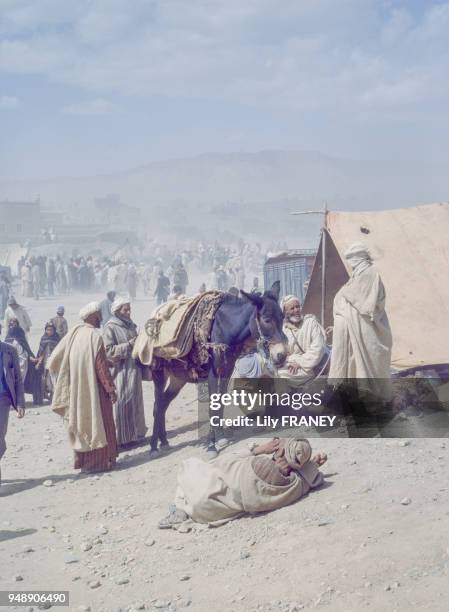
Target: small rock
{"x": 83, "y": 609}
{"x": 245, "y": 554}
{"x": 184, "y": 578}
{"x": 94, "y": 584}
{"x": 405, "y": 501}
{"x": 159, "y": 603}
{"x": 18, "y": 578}
{"x": 70, "y": 559}
{"x": 85, "y": 546}
{"x": 122, "y": 580}
{"x": 150, "y": 542}
{"x": 48, "y": 483}
{"x": 183, "y": 528}
{"x": 325, "y": 521}
{"x": 102, "y": 530}
{"x": 28, "y": 549}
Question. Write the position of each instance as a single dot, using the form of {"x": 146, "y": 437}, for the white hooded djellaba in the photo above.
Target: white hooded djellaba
{"x": 362, "y": 337}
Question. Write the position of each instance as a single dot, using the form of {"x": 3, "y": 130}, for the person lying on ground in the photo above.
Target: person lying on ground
{"x": 271, "y": 476}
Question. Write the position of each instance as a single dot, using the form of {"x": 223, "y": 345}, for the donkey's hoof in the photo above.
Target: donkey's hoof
{"x": 164, "y": 448}
{"x": 212, "y": 452}
{"x": 154, "y": 453}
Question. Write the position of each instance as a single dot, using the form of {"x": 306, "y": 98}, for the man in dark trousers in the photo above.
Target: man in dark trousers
{"x": 11, "y": 390}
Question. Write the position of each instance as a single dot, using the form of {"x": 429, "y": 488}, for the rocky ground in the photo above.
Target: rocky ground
{"x": 375, "y": 537}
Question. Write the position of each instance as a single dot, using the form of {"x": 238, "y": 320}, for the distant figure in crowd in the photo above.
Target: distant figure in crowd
{"x": 11, "y": 390}
{"x": 105, "y": 306}
{"x": 162, "y": 288}
{"x": 131, "y": 281}
{"x": 362, "y": 339}
{"x": 177, "y": 293}
{"x": 26, "y": 278}
{"x": 36, "y": 278}
{"x": 60, "y": 322}
{"x": 119, "y": 336}
{"x": 306, "y": 342}
{"x": 202, "y": 288}
{"x": 16, "y": 311}
{"x": 84, "y": 392}
{"x": 255, "y": 287}
{"x": 234, "y": 291}
{"x": 271, "y": 476}
{"x": 180, "y": 277}
{"x": 51, "y": 276}
{"x": 47, "y": 345}
{"x": 4, "y": 294}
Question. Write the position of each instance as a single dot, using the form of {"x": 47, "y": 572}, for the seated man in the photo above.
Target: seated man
{"x": 245, "y": 481}
{"x": 306, "y": 343}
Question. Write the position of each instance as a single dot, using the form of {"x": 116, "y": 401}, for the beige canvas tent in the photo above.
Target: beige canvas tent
{"x": 410, "y": 248}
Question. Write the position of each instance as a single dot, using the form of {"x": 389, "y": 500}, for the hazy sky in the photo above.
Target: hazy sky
{"x": 94, "y": 86}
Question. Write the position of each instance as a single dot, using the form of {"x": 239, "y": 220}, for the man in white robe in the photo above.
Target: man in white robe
{"x": 362, "y": 337}
{"x": 306, "y": 343}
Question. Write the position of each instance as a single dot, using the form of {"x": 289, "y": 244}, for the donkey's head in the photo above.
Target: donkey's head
{"x": 266, "y": 324}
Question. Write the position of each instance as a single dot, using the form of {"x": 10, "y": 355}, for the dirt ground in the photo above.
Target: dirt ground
{"x": 375, "y": 537}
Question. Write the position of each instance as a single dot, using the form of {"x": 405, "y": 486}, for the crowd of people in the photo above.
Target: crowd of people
{"x": 95, "y": 383}
{"x": 159, "y": 275}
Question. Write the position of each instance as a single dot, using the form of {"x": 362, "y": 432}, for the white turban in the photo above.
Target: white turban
{"x": 89, "y": 309}
{"x": 288, "y": 298}
{"x": 119, "y": 302}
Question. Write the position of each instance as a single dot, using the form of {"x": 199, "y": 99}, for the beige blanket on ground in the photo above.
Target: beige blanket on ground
{"x": 76, "y": 397}
{"x": 227, "y": 488}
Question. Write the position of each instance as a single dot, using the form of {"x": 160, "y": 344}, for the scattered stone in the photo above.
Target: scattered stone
{"x": 159, "y": 603}
{"x": 70, "y": 559}
{"x": 28, "y": 549}
{"x": 344, "y": 506}
{"x": 325, "y": 521}
{"x": 150, "y": 542}
{"x": 184, "y": 578}
{"x": 404, "y": 443}
{"x": 245, "y": 554}
{"x": 83, "y": 608}
{"x": 183, "y": 528}
{"x": 18, "y": 578}
{"x": 94, "y": 584}
{"x": 405, "y": 501}
{"x": 85, "y": 546}
{"x": 122, "y": 580}
{"x": 48, "y": 483}
{"x": 102, "y": 530}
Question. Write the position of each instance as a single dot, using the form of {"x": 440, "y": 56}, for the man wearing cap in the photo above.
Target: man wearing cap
{"x": 16, "y": 311}
{"x": 60, "y": 322}
{"x": 84, "y": 392}
{"x": 306, "y": 342}
{"x": 119, "y": 335}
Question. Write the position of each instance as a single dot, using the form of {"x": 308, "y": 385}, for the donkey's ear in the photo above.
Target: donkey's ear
{"x": 254, "y": 298}
{"x": 275, "y": 290}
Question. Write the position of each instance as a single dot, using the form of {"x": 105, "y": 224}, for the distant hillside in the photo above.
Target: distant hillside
{"x": 253, "y": 189}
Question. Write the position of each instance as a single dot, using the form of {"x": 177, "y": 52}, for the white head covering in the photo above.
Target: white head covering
{"x": 359, "y": 257}
{"x": 89, "y": 309}
{"x": 119, "y": 302}
{"x": 288, "y": 298}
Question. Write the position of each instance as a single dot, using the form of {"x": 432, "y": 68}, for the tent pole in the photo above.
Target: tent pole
{"x": 323, "y": 264}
